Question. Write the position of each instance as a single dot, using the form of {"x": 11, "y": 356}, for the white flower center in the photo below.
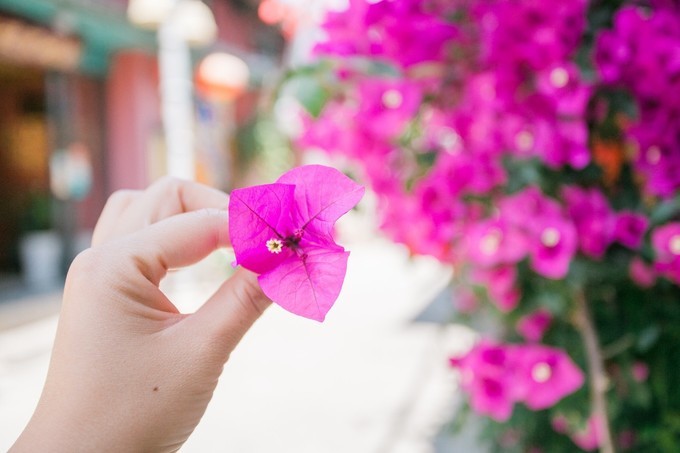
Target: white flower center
{"x": 653, "y": 155}
{"x": 524, "y": 141}
{"x": 392, "y": 99}
{"x": 559, "y": 77}
{"x": 449, "y": 140}
{"x": 550, "y": 237}
{"x": 541, "y": 372}
{"x": 275, "y": 245}
{"x": 490, "y": 242}
{"x": 674, "y": 244}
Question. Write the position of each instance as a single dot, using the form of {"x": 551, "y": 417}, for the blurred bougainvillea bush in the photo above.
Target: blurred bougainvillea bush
{"x": 535, "y": 146}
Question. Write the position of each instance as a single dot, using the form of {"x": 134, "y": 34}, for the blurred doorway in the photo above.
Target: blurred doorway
{"x": 24, "y": 155}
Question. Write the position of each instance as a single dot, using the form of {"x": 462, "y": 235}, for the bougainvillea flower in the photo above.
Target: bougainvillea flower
{"x": 500, "y": 283}
{"x": 590, "y": 437}
{"x": 666, "y": 244}
{"x": 554, "y": 248}
{"x": 545, "y": 375}
{"x": 641, "y": 273}
{"x": 283, "y": 231}
{"x": 533, "y": 326}
{"x": 496, "y": 376}
{"x": 485, "y": 377}
{"x": 593, "y": 218}
{"x": 386, "y": 106}
{"x": 630, "y": 229}
{"x": 494, "y": 242}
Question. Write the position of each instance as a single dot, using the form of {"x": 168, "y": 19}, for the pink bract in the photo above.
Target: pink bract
{"x": 283, "y": 231}
{"x": 533, "y": 326}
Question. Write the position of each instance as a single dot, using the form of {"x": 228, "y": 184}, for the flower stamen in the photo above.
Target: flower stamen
{"x": 392, "y": 99}
{"x": 674, "y": 244}
{"x": 541, "y": 372}
{"x": 275, "y": 246}
{"x": 491, "y": 242}
{"x": 550, "y": 237}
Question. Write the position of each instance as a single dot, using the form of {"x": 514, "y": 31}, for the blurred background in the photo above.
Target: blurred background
{"x": 86, "y": 87}
{"x": 101, "y": 95}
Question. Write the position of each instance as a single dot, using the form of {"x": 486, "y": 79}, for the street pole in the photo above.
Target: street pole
{"x": 176, "y": 98}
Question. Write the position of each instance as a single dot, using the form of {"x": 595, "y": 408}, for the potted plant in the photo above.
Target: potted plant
{"x": 40, "y": 247}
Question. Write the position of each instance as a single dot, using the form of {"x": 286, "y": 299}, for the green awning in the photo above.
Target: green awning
{"x": 103, "y": 29}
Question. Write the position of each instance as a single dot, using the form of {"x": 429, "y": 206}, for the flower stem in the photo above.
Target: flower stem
{"x": 596, "y": 373}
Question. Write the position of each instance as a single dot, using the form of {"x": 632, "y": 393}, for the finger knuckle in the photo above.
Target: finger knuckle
{"x": 120, "y": 197}
{"x": 168, "y": 184}
{"x": 83, "y": 268}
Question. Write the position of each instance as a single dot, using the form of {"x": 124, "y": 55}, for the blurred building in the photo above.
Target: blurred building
{"x": 80, "y": 114}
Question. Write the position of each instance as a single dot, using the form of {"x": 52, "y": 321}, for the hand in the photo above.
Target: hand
{"x": 128, "y": 371}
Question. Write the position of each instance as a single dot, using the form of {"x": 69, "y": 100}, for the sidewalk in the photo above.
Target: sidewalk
{"x": 370, "y": 379}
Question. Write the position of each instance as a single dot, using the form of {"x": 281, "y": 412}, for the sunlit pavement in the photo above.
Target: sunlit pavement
{"x": 372, "y": 378}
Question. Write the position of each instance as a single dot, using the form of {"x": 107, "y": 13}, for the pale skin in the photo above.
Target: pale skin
{"x": 129, "y": 372}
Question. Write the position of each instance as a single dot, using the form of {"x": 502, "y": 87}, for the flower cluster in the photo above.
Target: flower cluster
{"x": 498, "y": 375}
{"x": 641, "y": 54}
{"x": 535, "y": 146}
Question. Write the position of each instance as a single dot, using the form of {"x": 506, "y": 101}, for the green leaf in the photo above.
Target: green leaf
{"x": 665, "y": 211}
{"x": 310, "y": 93}
{"x": 647, "y": 338}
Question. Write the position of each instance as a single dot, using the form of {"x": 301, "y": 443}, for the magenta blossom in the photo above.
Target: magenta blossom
{"x": 533, "y": 326}
{"x": 589, "y": 438}
{"x": 666, "y": 243}
{"x": 641, "y": 273}
{"x": 485, "y": 378}
{"x": 496, "y": 376}
{"x": 630, "y": 229}
{"x": 593, "y": 218}
{"x": 501, "y": 285}
{"x": 545, "y": 375}
{"x": 493, "y": 242}
{"x": 283, "y": 231}
{"x": 552, "y": 236}
{"x": 640, "y": 371}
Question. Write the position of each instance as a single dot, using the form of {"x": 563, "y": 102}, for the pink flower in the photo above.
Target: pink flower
{"x": 545, "y": 375}
{"x": 590, "y": 437}
{"x": 386, "y": 105}
{"x": 630, "y": 229}
{"x": 493, "y": 242}
{"x": 283, "y": 231}
{"x": 593, "y": 218}
{"x": 666, "y": 244}
{"x": 553, "y": 248}
{"x": 552, "y": 236}
{"x": 500, "y": 284}
{"x": 641, "y": 273}
{"x": 560, "y": 424}
{"x": 533, "y": 326}
{"x": 484, "y": 377}
{"x": 497, "y": 376}
{"x": 640, "y": 371}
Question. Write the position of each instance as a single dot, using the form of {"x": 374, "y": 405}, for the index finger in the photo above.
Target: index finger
{"x": 164, "y": 198}
{"x": 177, "y": 241}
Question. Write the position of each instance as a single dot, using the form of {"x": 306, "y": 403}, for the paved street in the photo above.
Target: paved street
{"x": 373, "y": 378}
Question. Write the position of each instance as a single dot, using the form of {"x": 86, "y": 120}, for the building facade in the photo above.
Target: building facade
{"x": 80, "y": 118}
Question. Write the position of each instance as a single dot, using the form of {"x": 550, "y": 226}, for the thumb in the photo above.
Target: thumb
{"x": 232, "y": 310}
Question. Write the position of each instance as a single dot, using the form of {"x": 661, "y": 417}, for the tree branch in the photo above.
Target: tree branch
{"x": 596, "y": 374}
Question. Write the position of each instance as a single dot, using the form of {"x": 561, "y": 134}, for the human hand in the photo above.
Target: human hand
{"x": 128, "y": 371}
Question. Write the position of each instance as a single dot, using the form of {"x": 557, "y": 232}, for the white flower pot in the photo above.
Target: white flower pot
{"x": 40, "y": 253}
